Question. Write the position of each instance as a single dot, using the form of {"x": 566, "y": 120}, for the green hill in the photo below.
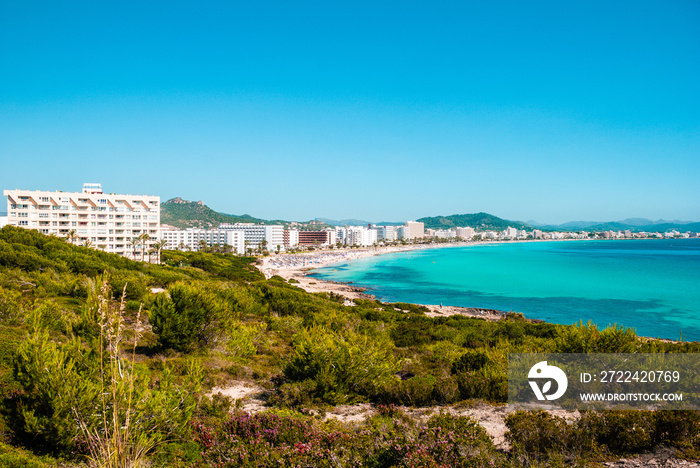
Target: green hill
{"x": 185, "y": 214}
{"x": 478, "y": 221}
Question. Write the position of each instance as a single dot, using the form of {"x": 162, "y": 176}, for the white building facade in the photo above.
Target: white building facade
{"x": 465, "y": 232}
{"x": 110, "y": 222}
{"x": 255, "y": 234}
{"x": 387, "y": 233}
{"x": 413, "y": 230}
{"x": 191, "y": 239}
{"x": 356, "y": 235}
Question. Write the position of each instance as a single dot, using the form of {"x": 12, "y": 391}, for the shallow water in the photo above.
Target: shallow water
{"x": 650, "y": 285}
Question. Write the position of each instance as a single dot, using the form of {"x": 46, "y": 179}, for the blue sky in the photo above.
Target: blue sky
{"x": 547, "y": 111}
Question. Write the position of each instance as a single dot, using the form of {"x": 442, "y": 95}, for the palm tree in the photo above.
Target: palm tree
{"x": 202, "y": 245}
{"x": 144, "y": 238}
{"x": 87, "y": 243}
{"x": 71, "y": 236}
{"x": 135, "y": 242}
{"x": 160, "y": 245}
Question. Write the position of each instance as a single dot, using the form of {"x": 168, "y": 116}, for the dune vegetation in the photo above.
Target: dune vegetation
{"x": 110, "y": 362}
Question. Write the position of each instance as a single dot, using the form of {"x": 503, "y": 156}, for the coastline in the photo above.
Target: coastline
{"x": 297, "y": 267}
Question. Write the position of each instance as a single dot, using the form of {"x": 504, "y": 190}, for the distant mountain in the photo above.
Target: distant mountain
{"x": 631, "y": 224}
{"x": 185, "y": 214}
{"x": 389, "y": 223}
{"x": 344, "y": 222}
{"x": 478, "y": 221}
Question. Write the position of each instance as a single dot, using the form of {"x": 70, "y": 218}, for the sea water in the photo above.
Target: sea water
{"x": 652, "y": 286}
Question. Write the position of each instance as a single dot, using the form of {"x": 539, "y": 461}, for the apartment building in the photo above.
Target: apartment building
{"x": 325, "y": 237}
{"x": 387, "y": 233}
{"x": 356, "y": 235}
{"x": 291, "y": 238}
{"x": 255, "y": 234}
{"x": 465, "y": 232}
{"x": 413, "y": 230}
{"x": 109, "y": 222}
{"x": 191, "y": 239}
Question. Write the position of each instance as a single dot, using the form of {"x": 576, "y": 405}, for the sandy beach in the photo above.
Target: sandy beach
{"x": 298, "y": 266}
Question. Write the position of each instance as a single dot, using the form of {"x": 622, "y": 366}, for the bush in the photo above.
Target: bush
{"x": 416, "y": 391}
{"x": 343, "y": 365}
{"x": 588, "y": 338}
{"x": 79, "y": 397}
{"x": 621, "y": 431}
{"x": 11, "y": 307}
{"x": 11, "y": 457}
{"x": 540, "y": 435}
{"x": 471, "y": 361}
{"x": 187, "y": 318}
{"x": 537, "y": 434}
{"x": 485, "y": 384}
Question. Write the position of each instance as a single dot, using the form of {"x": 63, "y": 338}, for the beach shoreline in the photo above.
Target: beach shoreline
{"x": 297, "y": 267}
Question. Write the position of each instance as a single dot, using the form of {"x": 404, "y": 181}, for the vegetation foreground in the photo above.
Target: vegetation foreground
{"x": 97, "y": 369}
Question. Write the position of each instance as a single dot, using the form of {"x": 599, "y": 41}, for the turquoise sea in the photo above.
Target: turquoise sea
{"x": 650, "y": 285}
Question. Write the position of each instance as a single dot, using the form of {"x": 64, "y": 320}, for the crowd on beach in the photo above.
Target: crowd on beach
{"x": 284, "y": 262}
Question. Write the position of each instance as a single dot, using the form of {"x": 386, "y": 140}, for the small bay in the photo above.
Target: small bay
{"x": 652, "y": 286}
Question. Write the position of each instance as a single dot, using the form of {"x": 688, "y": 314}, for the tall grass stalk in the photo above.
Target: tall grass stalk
{"x": 119, "y": 441}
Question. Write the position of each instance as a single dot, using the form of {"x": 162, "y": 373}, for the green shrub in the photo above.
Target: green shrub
{"x": 416, "y": 391}
{"x": 588, "y": 338}
{"x": 621, "y": 431}
{"x": 134, "y": 282}
{"x": 48, "y": 315}
{"x": 294, "y": 394}
{"x": 470, "y": 361}
{"x": 89, "y": 397}
{"x": 486, "y": 384}
{"x": 411, "y": 333}
{"x": 12, "y": 307}
{"x": 446, "y": 390}
{"x": 537, "y": 434}
{"x": 343, "y": 365}
{"x": 241, "y": 339}
{"x": 12, "y": 457}
{"x": 187, "y": 317}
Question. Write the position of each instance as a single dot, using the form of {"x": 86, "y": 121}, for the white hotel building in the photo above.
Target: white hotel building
{"x": 190, "y": 239}
{"x": 273, "y": 235}
{"x": 356, "y": 235}
{"x": 108, "y": 221}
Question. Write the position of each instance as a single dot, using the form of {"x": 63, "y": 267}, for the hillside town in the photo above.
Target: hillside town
{"x": 130, "y": 226}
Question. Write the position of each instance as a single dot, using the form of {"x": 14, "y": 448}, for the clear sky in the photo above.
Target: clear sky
{"x": 383, "y": 111}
